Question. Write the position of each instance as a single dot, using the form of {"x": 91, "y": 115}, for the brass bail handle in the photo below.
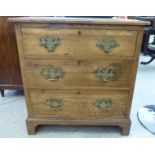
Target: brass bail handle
{"x": 104, "y": 104}
{"x": 55, "y": 103}
{"x": 106, "y": 75}
{"x": 51, "y": 74}
{"x": 50, "y": 43}
{"x": 107, "y": 45}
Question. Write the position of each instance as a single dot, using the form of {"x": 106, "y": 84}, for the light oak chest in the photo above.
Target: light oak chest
{"x": 78, "y": 71}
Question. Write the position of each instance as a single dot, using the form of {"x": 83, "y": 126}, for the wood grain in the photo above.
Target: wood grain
{"x": 81, "y": 21}
{"x": 77, "y": 74}
{"x": 33, "y": 123}
{"x": 22, "y": 65}
{"x": 10, "y": 77}
{"x": 78, "y": 43}
{"x": 78, "y": 103}
{"x": 134, "y": 68}
{"x": 78, "y": 58}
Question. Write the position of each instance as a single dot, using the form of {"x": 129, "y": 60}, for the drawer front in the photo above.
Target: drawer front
{"x": 71, "y": 74}
{"x": 78, "y": 43}
{"x": 78, "y": 103}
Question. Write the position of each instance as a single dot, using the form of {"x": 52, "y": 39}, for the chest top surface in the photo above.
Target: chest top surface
{"x": 78, "y": 21}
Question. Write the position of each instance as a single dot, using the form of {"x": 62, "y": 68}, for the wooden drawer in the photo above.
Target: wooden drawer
{"x": 78, "y": 103}
{"x": 78, "y": 43}
{"x": 71, "y": 74}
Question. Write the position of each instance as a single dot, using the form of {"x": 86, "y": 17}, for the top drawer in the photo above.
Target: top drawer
{"x": 78, "y": 43}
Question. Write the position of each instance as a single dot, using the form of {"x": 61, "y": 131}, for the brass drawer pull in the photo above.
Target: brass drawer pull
{"x": 106, "y": 74}
{"x": 107, "y": 45}
{"x": 55, "y": 103}
{"x": 51, "y": 74}
{"x": 103, "y": 104}
{"x": 50, "y": 43}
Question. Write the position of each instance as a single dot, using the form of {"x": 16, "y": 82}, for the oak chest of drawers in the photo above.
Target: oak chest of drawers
{"x": 78, "y": 71}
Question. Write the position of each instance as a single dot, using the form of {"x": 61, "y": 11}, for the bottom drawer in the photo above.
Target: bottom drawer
{"x": 78, "y": 103}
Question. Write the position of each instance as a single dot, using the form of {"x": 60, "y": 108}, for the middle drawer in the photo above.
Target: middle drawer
{"x": 72, "y": 74}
